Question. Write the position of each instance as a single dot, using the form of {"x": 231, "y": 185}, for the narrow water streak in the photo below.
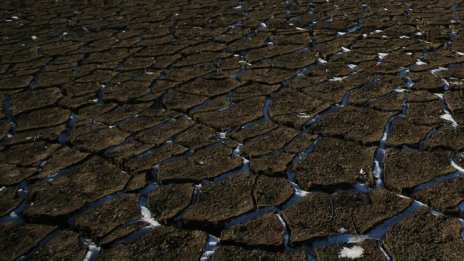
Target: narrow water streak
{"x": 287, "y": 233}
{"x": 92, "y": 251}
{"x": 378, "y": 168}
{"x": 249, "y": 216}
{"x": 437, "y": 180}
{"x": 380, "y": 231}
{"x": 211, "y": 245}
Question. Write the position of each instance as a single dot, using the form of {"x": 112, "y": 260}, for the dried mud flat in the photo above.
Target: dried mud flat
{"x": 231, "y": 130}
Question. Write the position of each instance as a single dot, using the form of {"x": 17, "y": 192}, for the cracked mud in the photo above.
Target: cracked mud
{"x": 231, "y": 130}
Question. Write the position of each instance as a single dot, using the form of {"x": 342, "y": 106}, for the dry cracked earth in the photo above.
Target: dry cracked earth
{"x": 231, "y": 130}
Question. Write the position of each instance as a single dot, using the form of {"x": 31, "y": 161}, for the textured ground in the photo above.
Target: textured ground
{"x": 231, "y": 130}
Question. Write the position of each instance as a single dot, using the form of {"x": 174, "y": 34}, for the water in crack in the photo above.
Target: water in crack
{"x": 321, "y": 61}
{"x": 221, "y": 136}
{"x": 436, "y": 180}
{"x": 455, "y": 81}
{"x": 270, "y": 40}
{"x": 328, "y": 20}
{"x": 238, "y": 73}
{"x": 408, "y": 12}
{"x": 244, "y": 64}
{"x": 446, "y": 111}
{"x": 338, "y": 79}
{"x": 339, "y": 239}
{"x": 172, "y": 139}
{"x": 132, "y": 236}
{"x": 211, "y": 245}
{"x": 154, "y": 172}
{"x": 22, "y": 191}
{"x": 92, "y": 251}
{"x": 352, "y": 66}
{"x": 461, "y": 221}
{"x": 308, "y": 27}
{"x": 250, "y": 35}
{"x": 236, "y": 152}
{"x": 287, "y": 231}
{"x": 296, "y": 197}
{"x": 291, "y": 175}
{"x": 454, "y": 164}
{"x": 305, "y": 70}
{"x": 64, "y": 171}
{"x": 453, "y": 37}
{"x": 386, "y": 95}
{"x": 226, "y": 107}
{"x": 379, "y": 155}
{"x": 345, "y": 100}
{"x": 251, "y": 123}
{"x": 419, "y": 62}
{"x": 436, "y": 213}
{"x": 461, "y": 209}
{"x": 403, "y": 72}
{"x": 230, "y": 103}
{"x": 439, "y": 69}
{"x": 162, "y": 124}
{"x": 356, "y": 27}
{"x": 345, "y": 50}
{"x": 145, "y": 211}
{"x": 267, "y": 107}
{"x": 379, "y": 231}
{"x": 72, "y": 219}
{"x": 381, "y": 57}
{"x": 249, "y": 216}
{"x": 262, "y": 26}
{"x": 195, "y": 193}
{"x": 35, "y": 78}
{"x": 184, "y": 154}
{"x": 318, "y": 116}
{"x": 409, "y": 82}
{"x": 17, "y": 213}
{"x": 244, "y": 168}
{"x": 360, "y": 187}
{"x": 428, "y": 136}
{"x": 149, "y": 188}
{"x": 384, "y": 252}
{"x": 447, "y": 114}
{"x": 446, "y": 85}
{"x": 64, "y": 136}
{"x": 310, "y": 252}
{"x": 6, "y": 106}
{"x": 100, "y": 93}
{"x": 145, "y": 153}
{"x": 41, "y": 243}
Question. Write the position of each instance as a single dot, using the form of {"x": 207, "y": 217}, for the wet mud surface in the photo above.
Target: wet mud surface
{"x": 231, "y": 130}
